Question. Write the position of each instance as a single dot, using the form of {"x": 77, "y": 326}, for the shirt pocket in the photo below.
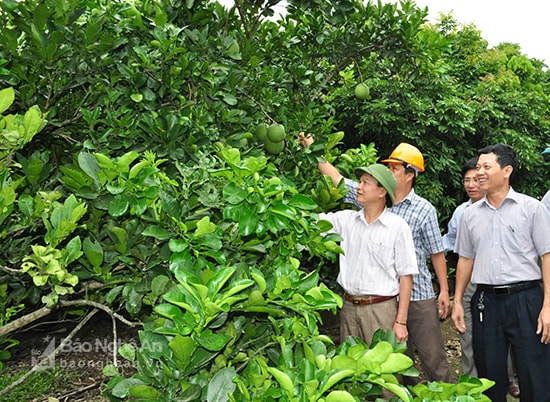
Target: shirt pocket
{"x": 381, "y": 255}
{"x": 516, "y": 239}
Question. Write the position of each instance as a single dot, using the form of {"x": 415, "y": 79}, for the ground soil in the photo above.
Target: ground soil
{"x": 92, "y": 349}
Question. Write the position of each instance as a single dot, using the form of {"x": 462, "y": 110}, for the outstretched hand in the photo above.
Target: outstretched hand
{"x": 305, "y": 140}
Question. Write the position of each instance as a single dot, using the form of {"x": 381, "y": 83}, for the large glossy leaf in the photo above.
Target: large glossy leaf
{"x": 221, "y": 386}
{"x": 248, "y": 221}
{"x": 234, "y": 194}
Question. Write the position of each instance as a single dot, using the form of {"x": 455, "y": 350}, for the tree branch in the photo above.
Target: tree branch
{"x": 44, "y": 311}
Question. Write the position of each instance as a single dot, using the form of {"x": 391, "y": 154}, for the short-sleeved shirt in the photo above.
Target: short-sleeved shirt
{"x": 506, "y": 242}
{"x": 376, "y": 254}
{"x": 546, "y": 200}
{"x": 449, "y": 238}
{"x": 421, "y": 217}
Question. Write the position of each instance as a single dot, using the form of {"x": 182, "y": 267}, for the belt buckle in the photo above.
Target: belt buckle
{"x": 356, "y": 301}
{"x": 501, "y": 290}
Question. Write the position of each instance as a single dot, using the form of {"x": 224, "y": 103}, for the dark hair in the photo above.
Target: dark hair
{"x": 505, "y": 155}
{"x": 470, "y": 164}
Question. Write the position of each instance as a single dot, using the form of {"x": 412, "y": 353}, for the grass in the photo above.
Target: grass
{"x": 37, "y": 386}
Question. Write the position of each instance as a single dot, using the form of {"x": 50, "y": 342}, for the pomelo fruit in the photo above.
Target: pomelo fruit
{"x": 276, "y": 132}
{"x": 362, "y": 91}
{"x": 261, "y": 132}
{"x": 274, "y": 148}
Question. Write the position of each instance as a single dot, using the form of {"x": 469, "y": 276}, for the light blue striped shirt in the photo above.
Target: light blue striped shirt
{"x": 505, "y": 242}
{"x": 422, "y": 219}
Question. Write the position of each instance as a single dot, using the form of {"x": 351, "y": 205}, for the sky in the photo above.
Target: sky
{"x": 523, "y": 22}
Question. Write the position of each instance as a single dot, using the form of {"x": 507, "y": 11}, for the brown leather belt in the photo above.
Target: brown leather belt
{"x": 367, "y": 299}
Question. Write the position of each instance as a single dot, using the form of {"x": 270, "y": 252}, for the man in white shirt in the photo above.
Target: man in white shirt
{"x": 379, "y": 259}
{"x": 503, "y": 243}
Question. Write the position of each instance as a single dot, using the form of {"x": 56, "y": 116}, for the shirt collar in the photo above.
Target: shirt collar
{"x": 383, "y": 218}
{"x": 512, "y": 195}
{"x": 409, "y": 198}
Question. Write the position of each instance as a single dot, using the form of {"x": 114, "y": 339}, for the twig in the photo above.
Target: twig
{"x": 10, "y": 270}
{"x": 108, "y": 310}
{"x": 78, "y": 391}
{"x": 38, "y": 366}
{"x": 44, "y": 311}
{"x": 115, "y": 349}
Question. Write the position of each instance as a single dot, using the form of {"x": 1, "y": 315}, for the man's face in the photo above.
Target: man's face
{"x": 401, "y": 175}
{"x": 369, "y": 191}
{"x": 471, "y": 185}
{"x": 490, "y": 175}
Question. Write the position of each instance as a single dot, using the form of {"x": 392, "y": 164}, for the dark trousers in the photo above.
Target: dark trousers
{"x": 511, "y": 321}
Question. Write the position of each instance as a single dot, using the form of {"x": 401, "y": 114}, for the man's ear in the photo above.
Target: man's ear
{"x": 508, "y": 169}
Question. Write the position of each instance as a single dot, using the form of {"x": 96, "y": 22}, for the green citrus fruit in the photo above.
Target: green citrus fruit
{"x": 274, "y": 148}
{"x": 276, "y": 132}
{"x": 362, "y": 91}
{"x": 261, "y": 132}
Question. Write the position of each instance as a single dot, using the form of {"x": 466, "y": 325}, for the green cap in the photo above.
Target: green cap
{"x": 384, "y": 176}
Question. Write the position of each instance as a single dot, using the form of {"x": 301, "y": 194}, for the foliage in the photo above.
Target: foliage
{"x": 306, "y": 368}
{"x": 467, "y": 389}
{"x": 131, "y": 174}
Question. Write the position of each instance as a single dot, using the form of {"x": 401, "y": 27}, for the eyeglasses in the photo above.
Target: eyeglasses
{"x": 468, "y": 180}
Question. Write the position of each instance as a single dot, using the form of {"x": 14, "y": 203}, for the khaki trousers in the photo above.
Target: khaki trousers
{"x": 363, "y": 320}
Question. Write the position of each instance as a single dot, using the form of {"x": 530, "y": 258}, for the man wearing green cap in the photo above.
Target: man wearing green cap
{"x": 379, "y": 259}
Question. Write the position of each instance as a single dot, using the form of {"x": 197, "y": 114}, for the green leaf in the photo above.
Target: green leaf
{"x": 204, "y": 227}
{"x": 159, "y": 284}
{"x": 88, "y": 163}
{"x": 248, "y": 221}
{"x": 157, "y": 232}
{"x": 217, "y": 281}
{"x": 7, "y": 96}
{"x": 284, "y": 381}
{"x": 127, "y": 351}
{"x": 144, "y": 392}
{"x": 72, "y": 251}
{"x": 340, "y": 396}
{"x": 119, "y": 206}
{"x": 26, "y": 204}
{"x": 333, "y": 377}
{"x": 122, "y": 388}
{"x": 212, "y": 341}
{"x": 302, "y": 202}
{"x": 221, "y": 385}
{"x": 183, "y": 347}
{"x": 230, "y": 99}
{"x": 234, "y": 194}
{"x": 93, "y": 252}
{"x": 283, "y": 210}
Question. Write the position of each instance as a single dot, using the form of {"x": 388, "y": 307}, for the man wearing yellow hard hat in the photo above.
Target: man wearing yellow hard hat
{"x": 425, "y": 309}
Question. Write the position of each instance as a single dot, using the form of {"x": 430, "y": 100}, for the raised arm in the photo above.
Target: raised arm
{"x": 326, "y": 168}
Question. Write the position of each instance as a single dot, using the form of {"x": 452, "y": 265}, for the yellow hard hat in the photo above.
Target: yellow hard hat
{"x": 408, "y": 155}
